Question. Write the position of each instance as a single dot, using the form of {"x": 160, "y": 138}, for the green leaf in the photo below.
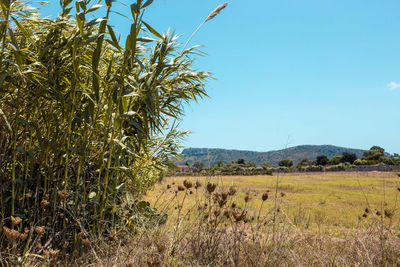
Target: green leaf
{"x": 128, "y": 114}
{"x": 152, "y": 30}
{"x": 113, "y": 37}
{"x": 147, "y": 3}
{"x": 131, "y": 93}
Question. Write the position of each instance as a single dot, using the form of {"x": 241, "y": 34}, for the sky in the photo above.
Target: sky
{"x": 288, "y": 72}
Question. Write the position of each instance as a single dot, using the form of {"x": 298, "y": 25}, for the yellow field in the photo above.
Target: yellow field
{"x": 334, "y": 200}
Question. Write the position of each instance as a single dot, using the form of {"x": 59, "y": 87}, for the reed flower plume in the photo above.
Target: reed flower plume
{"x": 210, "y": 17}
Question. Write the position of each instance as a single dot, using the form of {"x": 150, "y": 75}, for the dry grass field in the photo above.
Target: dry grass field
{"x": 334, "y": 200}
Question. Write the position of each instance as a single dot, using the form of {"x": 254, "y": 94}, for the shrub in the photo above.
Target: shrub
{"x": 85, "y": 119}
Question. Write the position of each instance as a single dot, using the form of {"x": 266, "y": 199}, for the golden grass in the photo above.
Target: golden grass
{"x": 338, "y": 199}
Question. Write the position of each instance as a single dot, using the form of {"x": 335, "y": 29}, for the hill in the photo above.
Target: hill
{"x": 210, "y": 156}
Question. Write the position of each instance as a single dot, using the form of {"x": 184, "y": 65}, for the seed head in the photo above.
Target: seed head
{"x": 217, "y": 213}
{"x": 86, "y": 242}
{"x": 11, "y": 235}
{"x": 388, "y": 214}
{"x": 378, "y": 213}
{"x": 15, "y": 220}
{"x": 211, "y": 187}
{"x": 181, "y": 188}
{"x": 28, "y": 195}
{"x": 44, "y": 203}
{"x": 247, "y": 198}
{"x": 282, "y": 194}
{"x": 111, "y": 237}
{"x": 264, "y": 196}
{"x": 232, "y": 191}
{"x": 65, "y": 245}
{"x": 227, "y": 213}
{"x": 239, "y": 215}
{"x": 23, "y": 237}
{"x": 365, "y": 215}
{"x": 39, "y": 230}
{"x": 168, "y": 186}
{"x": 197, "y": 185}
{"x": 63, "y": 195}
{"x": 216, "y": 11}
{"x": 187, "y": 184}
{"x": 366, "y": 210}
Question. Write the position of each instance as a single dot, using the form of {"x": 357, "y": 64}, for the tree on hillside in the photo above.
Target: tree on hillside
{"x": 348, "y": 157}
{"x": 198, "y": 165}
{"x": 374, "y": 153}
{"x": 336, "y": 160}
{"x": 322, "y": 160}
{"x": 240, "y": 161}
{"x": 304, "y": 162}
{"x": 285, "y": 163}
{"x": 220, "y": 163}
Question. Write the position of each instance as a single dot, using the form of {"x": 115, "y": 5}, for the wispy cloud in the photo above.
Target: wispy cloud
{"x": 393, "y": 86}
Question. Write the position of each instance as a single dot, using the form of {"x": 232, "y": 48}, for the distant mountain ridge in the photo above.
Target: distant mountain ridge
{"x": 210, "y": 156}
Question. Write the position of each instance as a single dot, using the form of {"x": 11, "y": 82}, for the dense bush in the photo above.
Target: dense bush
{"x": 84, "y": 120}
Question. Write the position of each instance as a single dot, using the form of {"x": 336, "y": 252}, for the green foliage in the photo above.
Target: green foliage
{"x": 85, "y": 119}
{"x": 336, "y": 160}
{"x": 322, "y": 160}
{"x": 240, "y": 161}
{"x": 374, "y": 154}
{"x": 348, "y": 157}
{"x": 285, "y": 163}
{"x": 304, "y": 162}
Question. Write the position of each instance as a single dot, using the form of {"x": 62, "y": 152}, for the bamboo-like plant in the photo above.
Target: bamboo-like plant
{"x": 84, "y": 118}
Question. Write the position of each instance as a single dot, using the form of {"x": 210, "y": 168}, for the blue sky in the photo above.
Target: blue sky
{"x": 289, "y": 72}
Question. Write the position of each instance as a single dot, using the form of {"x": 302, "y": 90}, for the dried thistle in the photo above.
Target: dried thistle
{"x": 389, "y": 214}
{"x": 15, "y": 220}
{"x": 211, "y": 187}
{"x": 63, "y": 195}
{"x": 227, "y": 213}
{"x": 283, "y": 194}
{"x": 44, "y": 203}
{"x": 217, "y": 213}
{"x": 366, "y": 210}
{"x": 198, "y": 184}
{"x": 187, "y": 184}
{"x": 11, "y": 235}
{"x": 231, "y": 191}
{"x": 39, "y": 230}
{"x": 264, "y": 196}
{"x": 54, "y": 252}
{"x": 239, "y": 215}
{"x": 111, "y": 237}
{"x": 247, "y": 198}
{"x": 86, "y": 242}
{"x": 65, "y": 245}
{"x": 181, "y": 188}
{"x": 23, "y": 236}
